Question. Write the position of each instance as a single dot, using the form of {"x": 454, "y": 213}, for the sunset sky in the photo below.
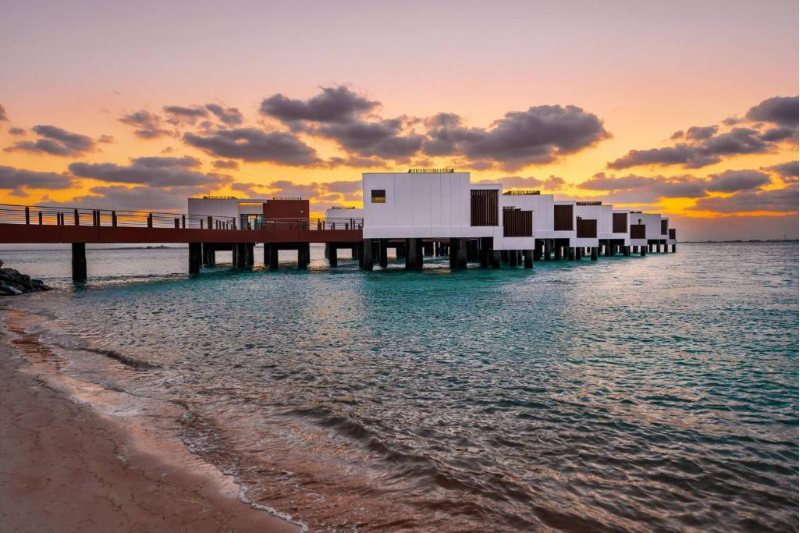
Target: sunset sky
{"x": 688, "y": 108}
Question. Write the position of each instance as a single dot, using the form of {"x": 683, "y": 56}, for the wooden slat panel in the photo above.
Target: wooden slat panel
{"x": 638, "y": 231}
{"x": 562, "y": 215}
{"x": 483, "y": 208}
{"x": 587, "y": 228}
{"x": 620, "y": 222}
{"x": 517, "y": 223}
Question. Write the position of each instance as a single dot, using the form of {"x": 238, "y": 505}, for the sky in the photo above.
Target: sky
{"x": 684, "y": 108}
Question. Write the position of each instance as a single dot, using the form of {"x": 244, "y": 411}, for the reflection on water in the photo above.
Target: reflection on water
{"x": 637, "y": 393}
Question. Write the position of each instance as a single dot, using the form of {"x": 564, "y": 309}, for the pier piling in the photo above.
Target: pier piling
{"x": 78, "y": 261}
{"x": 195, "y": 257}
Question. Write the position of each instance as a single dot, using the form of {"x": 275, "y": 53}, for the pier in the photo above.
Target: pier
{"x": 422, "y": 213}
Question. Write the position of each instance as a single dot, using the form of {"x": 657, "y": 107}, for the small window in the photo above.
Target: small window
{"x": 378, "y": 196}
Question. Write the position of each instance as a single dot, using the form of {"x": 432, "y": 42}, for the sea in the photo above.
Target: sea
{"x": 655, "y": 393}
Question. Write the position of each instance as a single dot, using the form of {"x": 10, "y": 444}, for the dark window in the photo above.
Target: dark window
{"x": 587, "y": 229}
{"x": 664, "y": 226}
{"x": 517, "y": 223}
{"x": 483, "y": 208}
{"x": 378, "y": 196}
{"x": 620, "y": 222}
{"x": 672, "y": 233}
{"x": 563, "y": 217}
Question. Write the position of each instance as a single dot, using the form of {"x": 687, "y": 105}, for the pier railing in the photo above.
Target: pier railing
{"x": 78, "y": 216}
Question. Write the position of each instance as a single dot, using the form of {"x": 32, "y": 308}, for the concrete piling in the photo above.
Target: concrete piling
{"x": 78, "y": 261}
{"x": 527, "y": 256}
{"x": 383, "y": 256}
{"x": 594, "y": 254}
{"x": 366, "y": 262}
{"x": 303, "y": 255}
{"x": 195, "y": 257}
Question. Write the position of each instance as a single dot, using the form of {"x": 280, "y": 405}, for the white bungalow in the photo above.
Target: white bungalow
{"x": 343, "y": 217}
{"x": 225, "y": 209}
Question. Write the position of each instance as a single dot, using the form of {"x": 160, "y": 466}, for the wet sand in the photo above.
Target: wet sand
{"x": 66, "y": 467}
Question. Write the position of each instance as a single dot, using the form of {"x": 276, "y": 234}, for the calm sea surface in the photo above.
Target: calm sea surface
{"x": 656, "y": 393}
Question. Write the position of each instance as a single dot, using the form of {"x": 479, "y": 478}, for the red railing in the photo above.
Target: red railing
{"x": 76, "y": 216}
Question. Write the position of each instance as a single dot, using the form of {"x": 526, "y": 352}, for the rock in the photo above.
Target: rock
{"x": 12, "y": 283}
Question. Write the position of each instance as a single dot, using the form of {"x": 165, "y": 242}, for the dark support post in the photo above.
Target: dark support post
{"x": 643, "y": 250}
{"x": 195, "y": 257}
{"x": 674, "y": 248}
{"x": 462, "y": 254}
{"x": 537, "y": 250}
{"x": 383, "y": 255}
{"x": 594, "y": 254}
{"x": 250, "y": 253}
{"x": 486, "y": 251}
{"x": 366, "y": 255}
{"x": 303, "y": 255}
{"x": 333, "y": 258}
{"x": 558, "y": 253}
{"x": 504, "y": 257}
{"x": 572, "y": 253}
{"x": 512, "y": 258}
{"x": 496, "y": 259}
{"x": 273, "y": 259}
{"x": 547, "y": 250}
{"x": 626, "y": 251}
{"x": 413, "y": 254}
{"x": 454, "y": 252}
{"x": 527, "y": 256}
{"x": 78, "y": 261}
{"x": 239, "y": 255}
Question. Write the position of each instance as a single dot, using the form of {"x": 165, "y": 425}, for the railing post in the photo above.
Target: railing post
{"x": 183, "y": 221}
{"x": 177, "y": 223}
{"x": 201, "y": 223}
{"x": 40, "y": 218}
{"x": 210, "y": 226}
{"x": 150, "y": 220}
{"x": 114, "y": 218}
{"x": 77, "y": 218}
{"x": 27, "y": 215}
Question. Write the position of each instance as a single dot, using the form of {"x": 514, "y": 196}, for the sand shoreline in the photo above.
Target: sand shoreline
{"x": 66, "y": 467}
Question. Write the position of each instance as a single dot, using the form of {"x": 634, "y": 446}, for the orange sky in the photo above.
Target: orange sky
{"x": 645, "y": 71}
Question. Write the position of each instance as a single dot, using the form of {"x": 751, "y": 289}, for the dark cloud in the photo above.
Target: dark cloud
{"x": 55, "y": 141}
{"x": 155, "y": 171}
{"x": 105, "y": 139}
{"x": 182, "y": 116}
{"x": 229, "y": 116}
{"x": 321, "y": 195}
{"x": 356, "y": 162}
{"x": 3, "y": 114}
{"x": 787, "y": 171}
{"x": 16, "y": 180}
{"x": 635, "y": 189}
{"x": 379, "y": 139}
{"x": 737, "y": 180}
{"x": 249, "y": 144}
{"x": 229, "y": 165}
{"x": 148, "y": 125}
{"x": 16, "y": 131}
{"x": 137, "y": 198}
{"x": 553, "y": 183}
{"x": 699, "y": 133}
{"x": 776, "y": 200}
{"x": 781, "y": 110}
{"x": 344, "y": 187}
{"x": 705, "y": 146}
{"x": 333, "y": 105}
{"x": 705, "y": 151}
{"x": 539, "y": 135}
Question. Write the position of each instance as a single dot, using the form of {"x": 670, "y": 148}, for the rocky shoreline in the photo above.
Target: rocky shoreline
{"x": 13, "y": 283}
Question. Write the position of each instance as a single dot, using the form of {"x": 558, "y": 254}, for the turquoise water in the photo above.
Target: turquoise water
{"x": 656, "y": 393}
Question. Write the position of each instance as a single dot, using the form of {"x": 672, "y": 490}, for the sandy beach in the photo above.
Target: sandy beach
{"x": 66, "y": 467}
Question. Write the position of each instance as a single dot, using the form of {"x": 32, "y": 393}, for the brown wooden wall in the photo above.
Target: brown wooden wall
{"x": 562, "y": 215}
{"x": 483, "y": 208}
{"x": 587, "y": 228}
{"x": 638, "y": 231}
{"x": 620, "y": 222}
{"x": 671, "y": 233}
{"x": 517, "y": 223}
